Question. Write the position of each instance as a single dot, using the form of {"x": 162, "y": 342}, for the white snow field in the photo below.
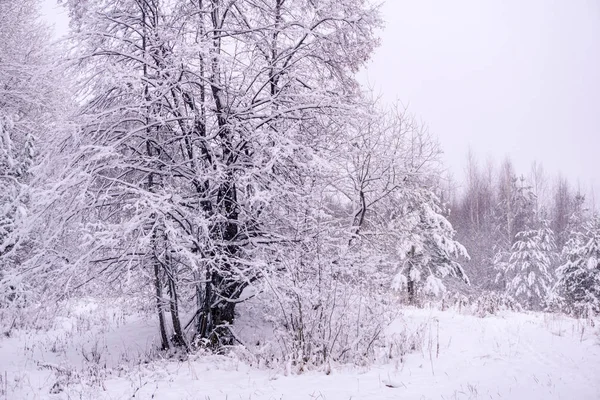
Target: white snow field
{"x": 100, "y": 353}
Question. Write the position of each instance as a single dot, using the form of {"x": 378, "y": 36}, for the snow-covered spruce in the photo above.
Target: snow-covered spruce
{"x": 579, "y": 277}
{"x": 429, "y": 249}
{"x": 528, "y": 270}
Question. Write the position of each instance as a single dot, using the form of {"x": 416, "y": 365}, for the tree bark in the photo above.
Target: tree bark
{"x": 159, "y": 307}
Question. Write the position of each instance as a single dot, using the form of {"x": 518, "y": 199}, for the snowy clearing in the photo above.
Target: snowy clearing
{"x": 507, "y": 356}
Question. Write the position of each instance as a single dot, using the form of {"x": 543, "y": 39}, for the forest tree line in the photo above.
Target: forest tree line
{"x": 530, "y": 235}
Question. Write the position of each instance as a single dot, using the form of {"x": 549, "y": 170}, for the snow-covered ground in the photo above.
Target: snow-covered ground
{"x": 101, "y": 353}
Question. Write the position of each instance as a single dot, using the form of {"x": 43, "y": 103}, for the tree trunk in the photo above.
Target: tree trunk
{"x": 411, "y": 289}
{"x": 158, "y": 284}
{"x": 220, "y": 291}
{"x": 217, "y": 314}
{"x": 410, "y": 284}
{"x": 159, "y": 307}
{"x": 178, "y": 335}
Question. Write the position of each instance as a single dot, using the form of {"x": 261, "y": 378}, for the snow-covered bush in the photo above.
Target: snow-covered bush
{"x": 323, "y": 315}
{"x": 406, "y": 341}
{"x": 454, "y": 300}
{"x": 554, "y": 303}
{"x": 490, "y": 303}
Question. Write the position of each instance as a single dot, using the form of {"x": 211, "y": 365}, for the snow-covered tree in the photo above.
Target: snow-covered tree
{"x": 515, "y": 208}
{"x": 576, "y": 224}
{"x": 30, "y": 101}
{"x": 473, "y": 218}
{"x": 201, "y": 130}
{"x": 579, "y": 277}
{"x": 514, "y": 213}
{"x": 19, "y": 36}
{"x": 528, "y": 272}
{"x": 357, "y": 230}
{"x": 429, "y": 249}
{"x": 387, "y": 174}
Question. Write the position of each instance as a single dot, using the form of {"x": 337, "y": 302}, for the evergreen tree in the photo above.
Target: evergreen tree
{"x": 514, "y": 214}
{"x": 429, "y": 250}
{"x": 579, "y": 276}
{"x": 527, "y": 272}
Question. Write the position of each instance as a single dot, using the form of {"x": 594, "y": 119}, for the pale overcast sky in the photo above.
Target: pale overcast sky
{"x": 503, "y": 77}
{"x": 516, "y": 77}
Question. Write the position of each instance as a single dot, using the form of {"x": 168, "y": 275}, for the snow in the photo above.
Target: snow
{"x": 592, "y": 263}
{"x": 454, "y": 356}
{"x": 434, "y": 286}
